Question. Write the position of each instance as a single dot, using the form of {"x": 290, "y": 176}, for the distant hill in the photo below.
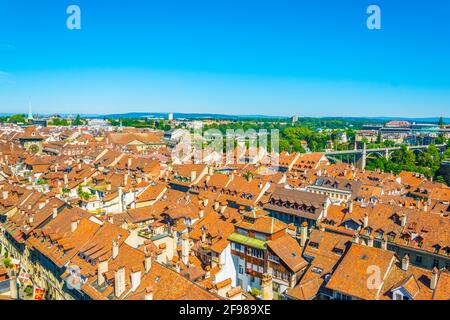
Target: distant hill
{"x": 136, "y": 115}
{"x": 192, "y": 116}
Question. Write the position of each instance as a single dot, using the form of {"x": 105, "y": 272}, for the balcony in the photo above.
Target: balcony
{"x": 247, "y": 241}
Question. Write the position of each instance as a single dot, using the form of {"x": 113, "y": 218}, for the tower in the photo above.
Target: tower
{"x": 30, "y": 114}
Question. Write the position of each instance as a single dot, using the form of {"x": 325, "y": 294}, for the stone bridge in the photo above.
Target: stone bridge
{"x": 383, "y": 152}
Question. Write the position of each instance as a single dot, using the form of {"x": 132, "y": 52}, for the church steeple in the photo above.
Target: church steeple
{"x": 30, "y": 114}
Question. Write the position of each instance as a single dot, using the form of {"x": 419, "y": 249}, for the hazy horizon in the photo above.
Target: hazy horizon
{"x": 277, "y": 58}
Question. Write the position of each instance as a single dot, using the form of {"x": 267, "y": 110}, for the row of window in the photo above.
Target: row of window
{"x": 279, "y": 274}
{"x": 253, "y": 252}
{"x": 331, "y": 194}
{"x": 254, "y": 267}
{"x": 256, "y": 235}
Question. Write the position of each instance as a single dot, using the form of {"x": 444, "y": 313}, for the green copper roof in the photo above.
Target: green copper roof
{"x": 30, "y": 114}
{"x": 251, "y": 242}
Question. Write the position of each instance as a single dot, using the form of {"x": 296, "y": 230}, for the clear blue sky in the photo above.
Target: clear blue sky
{"x": 276, "y": 57}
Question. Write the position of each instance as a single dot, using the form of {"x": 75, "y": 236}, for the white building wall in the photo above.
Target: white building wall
{"x": 228, "y": 269}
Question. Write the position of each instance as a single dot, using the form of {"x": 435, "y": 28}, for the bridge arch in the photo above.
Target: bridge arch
{"x": 379, "y": 153}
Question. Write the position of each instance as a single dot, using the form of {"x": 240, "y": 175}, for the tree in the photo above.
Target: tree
{"x": 440, "y": 179}
{"x": 17, "y": 118}
{"x": 284, "y": 145}
{"x": 7, "y": 262}
{"x": 248, "y": 175}
{"x": 59, "y": 122}
{"x": 429, "y": 161}
{"x": 83, "y": 195}
{"x": 440, "y": 140}
{"x": 77, "y": 121}
{"x": 388, "y": 143}
{"x": 446, "y": 154}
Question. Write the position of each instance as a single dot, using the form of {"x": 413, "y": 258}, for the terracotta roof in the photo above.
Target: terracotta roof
{"x": 289, "y": 252}
{"x": 351, "y": 275}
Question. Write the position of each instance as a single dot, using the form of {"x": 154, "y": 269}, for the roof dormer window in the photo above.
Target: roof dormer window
{"x": 314, "y": 245}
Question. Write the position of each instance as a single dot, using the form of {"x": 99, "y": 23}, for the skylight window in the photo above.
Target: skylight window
{"x": 317, "y": 270}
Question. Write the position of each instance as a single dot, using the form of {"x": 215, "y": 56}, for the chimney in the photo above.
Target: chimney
{"x": 216, "y": 205}
{"x": 350, "y": 206}
{"x": 205, "y": 202}
{"x": 370, "y": 241}
{"x": 55, "y": 211}
{"x": 5, "y": 194}
{"x": 222, "y": 208}
{"x": 102, "y": 268}
{"x": 115, "y": 249}
{"x": 203, "y": 234}
{"x": 135, "y": 278}
{"x": 434, "y": 278}
{"x": 119, "y": 281}
{"x": 366, "y": 220}
{"x": 384, "y": 243}
{"x": 207, "y": 272}
{"x": 66, "y": 178}
{"x": 210, "y": 170}
{"x": 325, "y": 208}
{"x": 129, "y": 163}
{"x": 121, "y": 204}
{"x": 31, "y": 219}
{"x": 125, "y": 179}
{"x": 405, "y": 262}
{"x": 266, "y": 287}
{"x": 201, "y": 213}
{"x": 148, "y": 293}
{"x": 73, "y": 224}
{"x": 185, "y": 249}
{"x": 148, "y": 262}
{"x": 304, "y": 233}
{"x": 356, "y": 238}
{"x": 174, "y": 237}
{"x": 110, "y": 218}
{"x": 193, "y": 175}
{"x": 403, "y": 219}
